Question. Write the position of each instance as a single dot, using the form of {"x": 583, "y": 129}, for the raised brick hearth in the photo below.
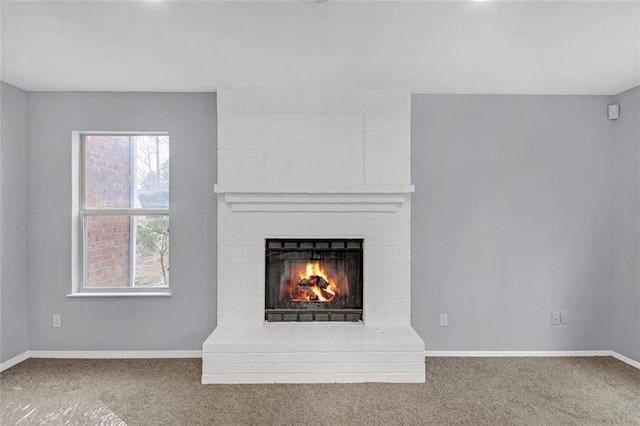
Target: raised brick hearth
{"x": 310, "y": 164}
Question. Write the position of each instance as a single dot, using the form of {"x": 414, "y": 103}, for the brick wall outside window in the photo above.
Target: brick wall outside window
{"x": 108, "y": 184}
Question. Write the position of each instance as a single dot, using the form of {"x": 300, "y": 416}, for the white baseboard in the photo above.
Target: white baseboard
{"x": 115, "y": 354}
{"x": 516, "y": 353}
{"x": 13, "y": 361}
{"x": 625, "y": 359}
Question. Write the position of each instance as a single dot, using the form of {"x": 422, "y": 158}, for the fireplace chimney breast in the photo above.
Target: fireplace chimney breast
{"x": 314, "y": 165}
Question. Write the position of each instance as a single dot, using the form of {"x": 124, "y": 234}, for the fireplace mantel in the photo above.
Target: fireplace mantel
{"x": 343, "y": 199}
{"x": 317, "y": 190}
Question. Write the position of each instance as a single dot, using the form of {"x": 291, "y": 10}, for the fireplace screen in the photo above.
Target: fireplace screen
{"x": 313, "y": 280}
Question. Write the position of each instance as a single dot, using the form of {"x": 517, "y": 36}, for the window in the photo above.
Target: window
{"x": 124, "y": 211}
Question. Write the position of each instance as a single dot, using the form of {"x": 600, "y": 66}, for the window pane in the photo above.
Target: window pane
{"x": 129, "y": 171}
{"x": 152, "y": 251}
{"x": 117, "y": 245}
{"x": 107, "y": 251}
{"x": 152, "y": 171}
{"x": 108, "y": 171}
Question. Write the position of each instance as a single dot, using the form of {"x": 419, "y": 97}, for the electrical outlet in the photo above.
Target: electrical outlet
{"x": 444, "y": 320}
{"x": 564, "y": 317}
{"x": 555, "y": 318}
{"x": 57, "y": 321}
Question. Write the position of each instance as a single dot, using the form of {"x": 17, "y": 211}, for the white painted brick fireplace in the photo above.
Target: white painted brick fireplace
{"x": 313, "y": 164}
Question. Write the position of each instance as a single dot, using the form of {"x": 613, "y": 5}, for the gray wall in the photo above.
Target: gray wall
{"x": 625, "y": 303}
{"x": 13, "y": 223}
{"x": 511, "y": 220}
{"x": 180, "y": 322}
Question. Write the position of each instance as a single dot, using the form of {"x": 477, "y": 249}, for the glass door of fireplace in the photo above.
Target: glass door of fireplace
{"x": 313, "y": 280}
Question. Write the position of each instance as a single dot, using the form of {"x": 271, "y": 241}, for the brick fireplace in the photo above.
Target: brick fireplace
{"x": 320, "y": 166}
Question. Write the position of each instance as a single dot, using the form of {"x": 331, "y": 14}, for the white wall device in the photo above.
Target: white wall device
{"x": 614, "y": 111}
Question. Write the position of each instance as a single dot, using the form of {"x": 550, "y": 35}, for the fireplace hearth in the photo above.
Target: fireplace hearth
{"x": 313, "y": 280}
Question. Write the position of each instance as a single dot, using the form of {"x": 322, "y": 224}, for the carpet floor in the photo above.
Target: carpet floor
{"x": 474, "y": 391}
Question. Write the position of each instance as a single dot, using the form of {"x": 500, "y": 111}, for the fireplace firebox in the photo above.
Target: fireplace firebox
{"x": 313, "y": 280}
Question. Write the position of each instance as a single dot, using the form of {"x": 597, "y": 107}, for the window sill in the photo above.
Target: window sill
{"x": 120, "y": 294}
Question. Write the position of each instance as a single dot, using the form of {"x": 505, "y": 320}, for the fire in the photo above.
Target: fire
{"x": 313, "y": 269}
{"x": 314, "y": 285}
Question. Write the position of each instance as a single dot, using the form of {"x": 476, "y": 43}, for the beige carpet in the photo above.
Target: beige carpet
{"x": 491, "y": 391}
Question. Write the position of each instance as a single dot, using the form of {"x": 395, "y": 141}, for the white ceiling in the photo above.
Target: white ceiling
{"x": 535, "y": 47}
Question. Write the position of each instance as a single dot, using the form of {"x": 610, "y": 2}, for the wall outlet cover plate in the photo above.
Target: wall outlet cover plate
{"x": 444, "y": 320}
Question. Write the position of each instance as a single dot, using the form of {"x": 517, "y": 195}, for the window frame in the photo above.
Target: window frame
{"x": 80, "y": 212}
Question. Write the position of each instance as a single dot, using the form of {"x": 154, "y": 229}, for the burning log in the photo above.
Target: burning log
{"x": 314, "y": 288}
{"x": 306, "y": 295}
{"x": 314, "y": 280}
{"x": 313, "y": 285}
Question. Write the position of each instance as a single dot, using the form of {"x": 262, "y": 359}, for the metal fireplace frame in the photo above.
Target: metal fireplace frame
{"x": 315, "y": 245}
